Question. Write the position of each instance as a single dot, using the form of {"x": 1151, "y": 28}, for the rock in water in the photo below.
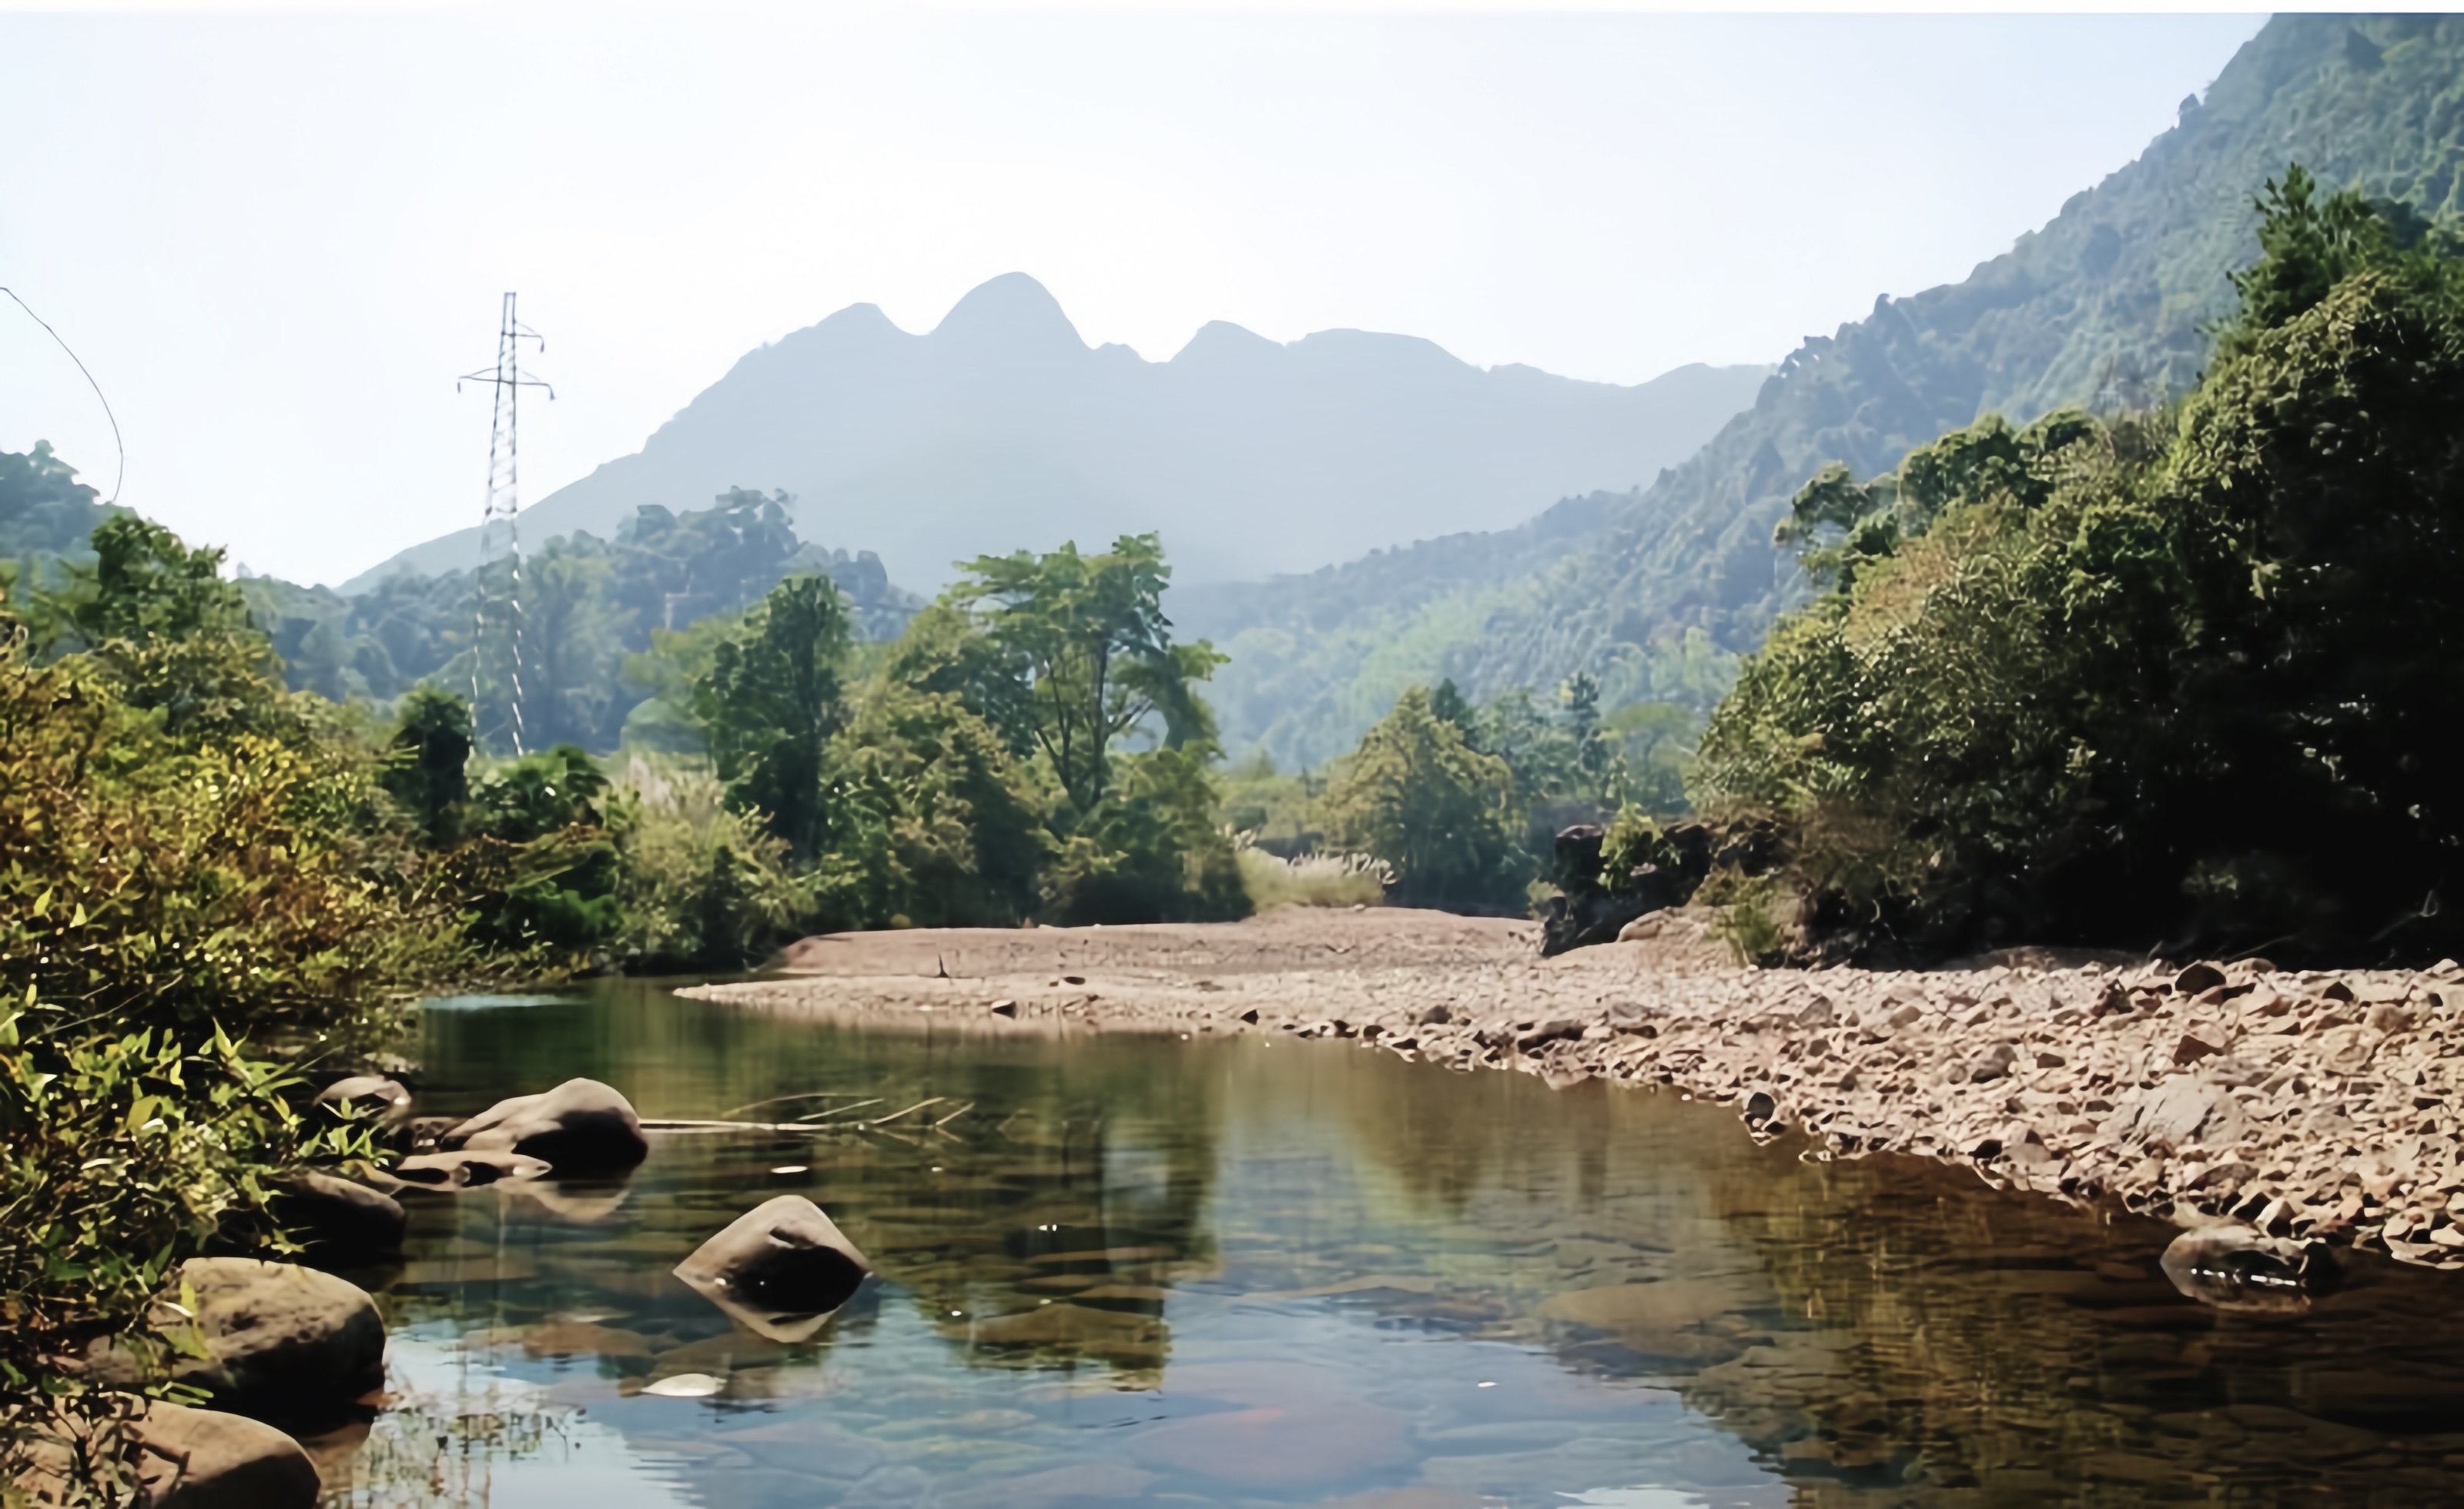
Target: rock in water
{"x": 467, "y": 1170}
{"x": 780, "y": 1268}
{"x": 283, "y": 1343}
{"x": 582, "y": 1127}
{"x": 205, "y": 1460}
{"x": 339, "y": 1221}
{"x": 2235, "y": 1268}
{"x": 368, "y": 1098}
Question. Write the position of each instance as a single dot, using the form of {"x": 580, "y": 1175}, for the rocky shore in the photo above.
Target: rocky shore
{"x": 2303, "y": 1106}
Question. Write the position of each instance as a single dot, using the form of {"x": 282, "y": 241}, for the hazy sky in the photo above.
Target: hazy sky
{"x": 277, "y": 238}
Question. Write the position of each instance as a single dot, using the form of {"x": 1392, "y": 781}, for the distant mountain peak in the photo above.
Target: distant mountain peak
{"x": 1217, "y": 340}
{"x": 1012, "y": 310}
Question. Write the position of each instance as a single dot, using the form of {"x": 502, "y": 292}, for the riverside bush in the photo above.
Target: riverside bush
{"x": 122, "y": 1155}
{"x": 2176, "y": 678}
{"x": 157, "y": 878}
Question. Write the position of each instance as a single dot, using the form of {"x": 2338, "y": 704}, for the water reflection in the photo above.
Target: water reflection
{"x": 1240, "y": 1273}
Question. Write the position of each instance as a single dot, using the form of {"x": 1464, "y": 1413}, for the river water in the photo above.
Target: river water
{"x": 1139, "y": 1269}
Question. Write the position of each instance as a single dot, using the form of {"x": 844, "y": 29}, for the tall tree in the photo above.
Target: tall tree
{"x": 1089, "y": 635}
{"x": 428, "y": 763}
{"x": 1417, "y": 796}
{"x": 771, "y": 701}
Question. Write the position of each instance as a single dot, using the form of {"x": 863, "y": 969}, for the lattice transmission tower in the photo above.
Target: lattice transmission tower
{"x": 497, "y": 636}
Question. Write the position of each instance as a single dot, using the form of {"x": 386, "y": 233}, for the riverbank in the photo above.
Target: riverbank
{"x": 2314, "y": 1105}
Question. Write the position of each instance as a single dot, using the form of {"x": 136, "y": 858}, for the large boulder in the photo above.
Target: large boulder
{"x": 184, "y": 1459}
{"x": 337, "y": 1221}
{"x": 283, "y": 1343}
{"x": 582, "y": 1127}
{"x": 780, "y": 1269}
{"x": 206, "y": 1459}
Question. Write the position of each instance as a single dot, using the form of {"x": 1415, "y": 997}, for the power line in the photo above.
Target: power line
{"x": 496, "y": 521}
{"x": 123, "y": 475}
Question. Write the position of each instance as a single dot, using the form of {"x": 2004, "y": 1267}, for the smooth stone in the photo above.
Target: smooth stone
{"x": 209, "y": 1459}
{"x": 335, "y": 1219}
{"x": 2235, "y": 1268}
{"x": 469, "y": 1169}
{"x": 780, "y": 1269}
{"x": 283, "y": 1343}
{"x": 581, "y": 1127}
{"x": 685, "y": 1385}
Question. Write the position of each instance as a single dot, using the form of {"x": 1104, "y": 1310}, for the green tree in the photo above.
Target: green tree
{"x": 1089, "y": 636}
{"x": 1436, "y": 810}
{"x": 934, "y": 824}
{"x": 769, "y": 704}
{"x": 428, "y": 763}
{"x": 158, "y": 616}
{"x": 572, "y": 643}
{"x": 559, "y": 845}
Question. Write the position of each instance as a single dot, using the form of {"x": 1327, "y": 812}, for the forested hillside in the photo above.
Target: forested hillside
{"x": 2106, "y": 306}
{"x": 45, "y": 512}
{"x": 610, "y": 628}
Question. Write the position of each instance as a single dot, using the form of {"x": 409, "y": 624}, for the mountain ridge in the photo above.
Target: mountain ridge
{"x": 1001, "y": 428}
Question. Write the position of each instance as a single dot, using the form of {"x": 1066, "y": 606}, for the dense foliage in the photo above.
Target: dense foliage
{"x": 2173, "y": 677}
{"x": 121, "y": 1154}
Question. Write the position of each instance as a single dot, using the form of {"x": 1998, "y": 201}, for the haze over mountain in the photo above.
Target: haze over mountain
{"x": 2107, "y": 304}
{"x": 1001, "y": 429}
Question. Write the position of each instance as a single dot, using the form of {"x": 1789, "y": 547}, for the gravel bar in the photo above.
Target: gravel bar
{"x": 2309, "y": 1105}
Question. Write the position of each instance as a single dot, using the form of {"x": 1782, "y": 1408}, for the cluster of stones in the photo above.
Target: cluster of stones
{"x": 2306, "y": 1106}
{"x": 292, "y": 1359}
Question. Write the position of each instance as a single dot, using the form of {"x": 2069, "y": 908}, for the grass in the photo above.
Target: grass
{"x": 1313, "y": 880}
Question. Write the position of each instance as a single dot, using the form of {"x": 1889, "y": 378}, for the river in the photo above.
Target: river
{"x": 1138, "y": 1270}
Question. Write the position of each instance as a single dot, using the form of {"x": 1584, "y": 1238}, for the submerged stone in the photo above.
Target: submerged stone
{"x": 2235, "y": 1268}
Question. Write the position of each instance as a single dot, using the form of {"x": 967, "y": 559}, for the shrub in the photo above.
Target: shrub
{"x": 701, "y": 887}
{"x": 126, "y": 1154}
{"x": 248, "y": 878}
{"x": 1439, "y": 812}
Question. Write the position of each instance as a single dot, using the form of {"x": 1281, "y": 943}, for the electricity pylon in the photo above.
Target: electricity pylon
{"x": 501, "y": 538}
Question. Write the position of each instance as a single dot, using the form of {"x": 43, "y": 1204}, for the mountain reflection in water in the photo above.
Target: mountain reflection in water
{"x": 1138, "y": 1270}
